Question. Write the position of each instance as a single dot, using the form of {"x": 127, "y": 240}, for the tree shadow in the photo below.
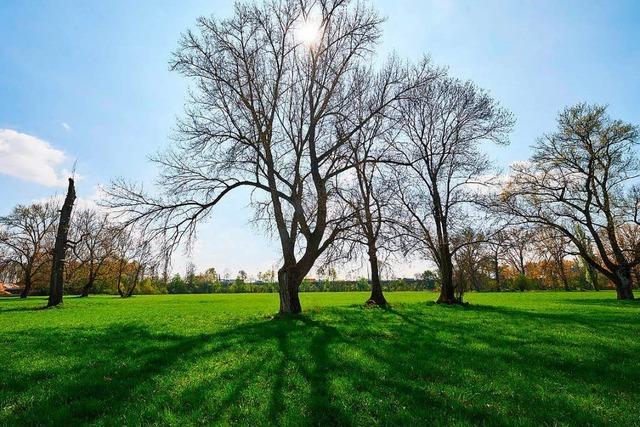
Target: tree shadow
{"x": 605, "y": 302}
{"x": 403, "y": 365}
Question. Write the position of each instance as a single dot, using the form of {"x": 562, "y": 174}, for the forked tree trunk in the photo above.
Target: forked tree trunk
{"x": 56, "y": 285}
{"x": 624, "y": 284}
{"x": 289, "y": 280}
{"x": 27, "y": 286}
{"x": 136, "y": 280}
{"x": 377, "y": 297}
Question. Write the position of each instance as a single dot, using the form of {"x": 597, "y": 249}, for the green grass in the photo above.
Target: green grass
{"x": 508, "y": 359}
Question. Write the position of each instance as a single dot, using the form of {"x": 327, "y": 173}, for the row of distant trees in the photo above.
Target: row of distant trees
{"x": 101, "y": 254}
{"x": 106, "y": 258}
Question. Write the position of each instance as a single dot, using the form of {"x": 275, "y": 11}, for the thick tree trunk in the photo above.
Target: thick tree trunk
{"x": 57, "y": 270}
{"x": 377, "y": 297}
{"x": 447, "y": 288}
{"x": 289, "y": 280}
{"x": 624, "y": 284}
{"x": 27, "y": 286}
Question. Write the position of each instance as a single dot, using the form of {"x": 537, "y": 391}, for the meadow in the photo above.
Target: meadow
{"x": 507, "y": 359}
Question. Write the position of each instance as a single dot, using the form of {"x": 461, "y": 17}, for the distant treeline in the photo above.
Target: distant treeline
{"x": 208, "y": 283}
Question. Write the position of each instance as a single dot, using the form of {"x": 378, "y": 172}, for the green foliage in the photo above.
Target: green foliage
{"x": 552, "y": 358}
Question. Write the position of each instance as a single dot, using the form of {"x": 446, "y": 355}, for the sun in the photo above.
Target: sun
{"x": 309, "y": 31}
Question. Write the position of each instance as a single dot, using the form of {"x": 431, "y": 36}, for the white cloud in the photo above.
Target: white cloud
{"x": 31, "y": 159}
{"x": 66, "y": 126}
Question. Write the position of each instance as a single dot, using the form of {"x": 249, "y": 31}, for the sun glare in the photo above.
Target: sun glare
{"x": 309, "y": 31}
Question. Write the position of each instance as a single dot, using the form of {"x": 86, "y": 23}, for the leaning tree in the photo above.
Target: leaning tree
{"x": 584, "y": 176}
{"x": 442, "y": 128}
{"x": 270, "y": 111}
{"x": 62, "y": 243}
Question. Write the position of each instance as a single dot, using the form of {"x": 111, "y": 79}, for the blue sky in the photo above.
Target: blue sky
{"x": 90, "y": 79}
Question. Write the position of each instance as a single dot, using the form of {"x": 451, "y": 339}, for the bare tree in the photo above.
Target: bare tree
{"x": 271, "y": 111}
{"x": 368, "y": 192}
{"x": 26, "y": 236}
{"x": 553, "y": 248}
{"x": 137, "y": 254}
{"x": 497, "y": 247}
{"x": 443, "y": 125}
{"x": 584, "y": 175}
{"x": 519, "y": 247}
{"x": 96, "y": 244}
{"x": 471, "y": 261}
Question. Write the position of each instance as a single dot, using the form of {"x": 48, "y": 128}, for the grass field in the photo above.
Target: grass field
{"x": 508, "y": 359}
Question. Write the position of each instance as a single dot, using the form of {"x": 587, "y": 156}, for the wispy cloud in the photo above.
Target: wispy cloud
{"x": 31, "y": 159}
{"x": 66, "y": 126}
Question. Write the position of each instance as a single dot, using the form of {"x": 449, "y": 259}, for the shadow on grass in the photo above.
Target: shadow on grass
{"x": 604, "y": 302}
{"x": 413, "y": 364}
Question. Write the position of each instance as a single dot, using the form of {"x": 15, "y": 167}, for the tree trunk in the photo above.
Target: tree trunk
{"x": 57, "y": 269}
{"x": 289, "y": 280}
{"x": 377, "y": 297}
{"x": 496, "y": 269}
{"x": 624, "y": 284}
{"x": 447, "y": 288}
{"x": 563, "y": 276}
{"x": 27, "y": 286}
{"x": 120, "y": 271}
{"x": 87, "y": 286}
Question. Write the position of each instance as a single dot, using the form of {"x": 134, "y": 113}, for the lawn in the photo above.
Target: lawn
{"x": 507, "y": 359}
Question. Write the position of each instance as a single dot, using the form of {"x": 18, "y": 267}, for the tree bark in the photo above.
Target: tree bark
{"x": 624, "y": 284}
{"x": 289, "y": 280}
{"x": 377, "y": 297}
{"x": 27, "y": 286}
{"x": 57, "y": 270}
{"x": 447, "y": 288}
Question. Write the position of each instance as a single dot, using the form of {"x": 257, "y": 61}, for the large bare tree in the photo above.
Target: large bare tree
{"x": 271, "y": 111}
{"x": 26, "y": 236}
{"x": 443, "y": 126}
{"x": 584, "y": 175}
